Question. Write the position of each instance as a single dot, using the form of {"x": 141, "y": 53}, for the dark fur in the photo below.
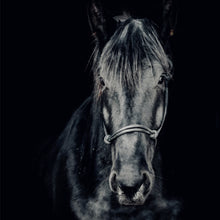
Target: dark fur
{"x": 77, "y": 167}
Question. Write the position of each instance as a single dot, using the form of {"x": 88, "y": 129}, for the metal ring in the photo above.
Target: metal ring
{"x": 154, "y": 134}
{"x": 106, "y": 139}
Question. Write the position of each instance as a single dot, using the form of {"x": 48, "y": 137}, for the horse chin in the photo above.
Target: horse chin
{"x": 130, "y": 202}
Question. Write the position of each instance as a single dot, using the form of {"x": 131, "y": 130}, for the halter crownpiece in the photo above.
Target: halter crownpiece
{"x": 137, "y": 127}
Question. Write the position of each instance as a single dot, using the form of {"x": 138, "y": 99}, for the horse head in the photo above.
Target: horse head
{"x": 131, "y": 77}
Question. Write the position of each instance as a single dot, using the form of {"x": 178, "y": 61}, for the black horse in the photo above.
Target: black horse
{"x": 105, "y": 164}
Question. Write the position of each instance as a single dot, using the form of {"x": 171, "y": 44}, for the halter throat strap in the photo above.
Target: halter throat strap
{"x": 137, "y": 127}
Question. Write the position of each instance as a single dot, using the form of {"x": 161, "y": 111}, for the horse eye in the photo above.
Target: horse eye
{"x": 102, "y": 83}
{"x": 164, "y": 77}
{"x": 161, "y": 80}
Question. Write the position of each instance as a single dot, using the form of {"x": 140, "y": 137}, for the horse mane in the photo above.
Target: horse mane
{"x": 132, "y": 48}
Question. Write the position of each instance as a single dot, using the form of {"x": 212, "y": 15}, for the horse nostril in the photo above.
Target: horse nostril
{"x": 113, "y": 182}
{"x": 145, "y": 178}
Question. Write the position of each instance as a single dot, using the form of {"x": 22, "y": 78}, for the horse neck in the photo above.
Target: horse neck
{"x": 96, "y": 125}
{"x": 101, "y": 152}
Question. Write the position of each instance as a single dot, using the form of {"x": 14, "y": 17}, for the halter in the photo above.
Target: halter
{"x": 138, "y": 127}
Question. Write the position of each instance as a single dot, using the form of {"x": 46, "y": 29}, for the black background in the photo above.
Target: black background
{"x": 46, "y": 46}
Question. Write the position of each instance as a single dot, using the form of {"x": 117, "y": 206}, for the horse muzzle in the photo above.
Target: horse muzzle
{"x": 131, "y": 194}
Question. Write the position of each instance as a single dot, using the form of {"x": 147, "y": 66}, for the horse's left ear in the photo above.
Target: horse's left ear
{"x": 101, "y": 23}
{"x": 169, "y": 20}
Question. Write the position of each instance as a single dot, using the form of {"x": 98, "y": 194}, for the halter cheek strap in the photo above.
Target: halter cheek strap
{"x": 137, "y": 127}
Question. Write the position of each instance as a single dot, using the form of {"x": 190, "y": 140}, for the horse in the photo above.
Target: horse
{"x": 106, "y": 163}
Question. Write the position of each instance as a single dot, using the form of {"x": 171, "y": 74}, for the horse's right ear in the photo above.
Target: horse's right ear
{"x": 101, "y": 24}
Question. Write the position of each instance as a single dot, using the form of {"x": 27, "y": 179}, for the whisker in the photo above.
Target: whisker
{"x": 158, "y": 177}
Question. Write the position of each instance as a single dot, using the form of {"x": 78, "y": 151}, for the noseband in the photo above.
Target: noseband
{"x": 138, "y": 127}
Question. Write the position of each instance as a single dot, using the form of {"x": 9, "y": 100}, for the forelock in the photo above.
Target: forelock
{"x": 134, "y": 44}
